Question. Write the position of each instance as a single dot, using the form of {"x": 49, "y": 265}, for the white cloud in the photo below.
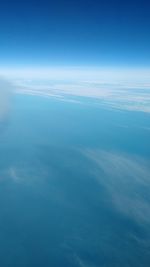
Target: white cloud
{"x": 124, "y": 89}
{"x": 114, "y": 95}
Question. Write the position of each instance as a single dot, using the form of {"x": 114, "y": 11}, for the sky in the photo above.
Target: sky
{"x": 100, "y": 33}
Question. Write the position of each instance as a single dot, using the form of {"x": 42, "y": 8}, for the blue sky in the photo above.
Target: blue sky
{"x": 77, "y": 33}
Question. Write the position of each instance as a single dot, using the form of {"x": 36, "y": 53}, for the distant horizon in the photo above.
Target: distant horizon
{"x": 79, "y": 73}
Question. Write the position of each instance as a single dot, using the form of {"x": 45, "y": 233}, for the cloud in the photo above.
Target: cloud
{"x": 6, "y": 89}
{"x": 114, "y": 88}
{"x": 122, "y": 95}
{"x": 126, "y": 179}
{"x": 120, "y": 89}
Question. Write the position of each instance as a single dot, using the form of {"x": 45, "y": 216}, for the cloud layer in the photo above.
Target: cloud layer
{"x": 124, "y": 88}
{"x": 123, "y": 95}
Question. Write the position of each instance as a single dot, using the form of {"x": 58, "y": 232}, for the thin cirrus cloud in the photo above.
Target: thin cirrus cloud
{"x": 125, "y": 89}
{"x": 126, "y": 179}
{"x": 122, "y": 95}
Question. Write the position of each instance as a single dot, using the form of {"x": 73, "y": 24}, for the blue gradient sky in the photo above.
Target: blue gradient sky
{"x": 77, "y": 33}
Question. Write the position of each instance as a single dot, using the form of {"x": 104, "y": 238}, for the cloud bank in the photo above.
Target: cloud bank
{"x": 123, "y": 95}
{"x": 123, "y": 89}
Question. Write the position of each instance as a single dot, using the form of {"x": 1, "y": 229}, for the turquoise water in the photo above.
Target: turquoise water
{"x": 74, "y": 185}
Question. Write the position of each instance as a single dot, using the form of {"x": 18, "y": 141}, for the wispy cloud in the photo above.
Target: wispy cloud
{"x": 122, "y": 89}
{"x": 126, "y": 179}
{"x": 122, "y": 95}
{"x": 81, "y": 263}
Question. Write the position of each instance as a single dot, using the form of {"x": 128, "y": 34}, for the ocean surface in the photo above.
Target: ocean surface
{"x": 74, "y": 185}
